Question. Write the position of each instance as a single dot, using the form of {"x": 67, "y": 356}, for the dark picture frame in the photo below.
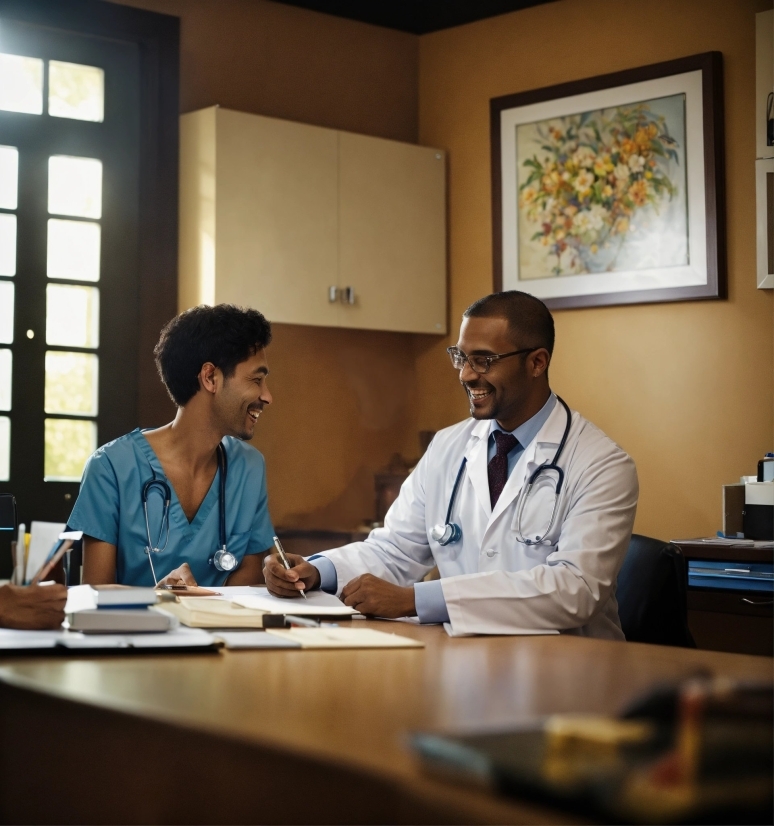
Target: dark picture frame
{"x": 710, "y": 65}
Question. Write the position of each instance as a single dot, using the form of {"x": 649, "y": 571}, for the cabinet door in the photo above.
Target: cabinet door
{"x": 276, "y": 224}
{"x": 392, "y": 234}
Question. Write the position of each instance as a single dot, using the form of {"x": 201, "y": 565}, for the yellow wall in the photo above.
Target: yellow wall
{"x": 686, "y": 388}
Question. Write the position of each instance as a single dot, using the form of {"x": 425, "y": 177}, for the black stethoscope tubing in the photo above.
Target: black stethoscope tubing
{"x": 166, "y": 492}
{"x": 449, "y": 532}
{"x": 552, "y": 465}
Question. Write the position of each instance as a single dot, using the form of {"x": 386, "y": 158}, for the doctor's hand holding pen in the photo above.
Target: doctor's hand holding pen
{"x": 33, "y": 606}
{"x": 289, "y": 582}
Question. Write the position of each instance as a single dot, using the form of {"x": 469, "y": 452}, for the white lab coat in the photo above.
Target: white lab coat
{"x": 492, "y": 583}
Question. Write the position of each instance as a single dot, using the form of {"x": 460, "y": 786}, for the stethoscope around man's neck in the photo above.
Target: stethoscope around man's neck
{"x": 222, "y": 559}
{"x": 449, "y": 532}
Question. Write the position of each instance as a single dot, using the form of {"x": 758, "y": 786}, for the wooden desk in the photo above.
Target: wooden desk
{"x": 298, "y": 736}
{"x": 735, "y": 621}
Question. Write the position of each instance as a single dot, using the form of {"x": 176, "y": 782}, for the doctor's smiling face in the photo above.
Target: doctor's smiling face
{"x": 513, "y": 388}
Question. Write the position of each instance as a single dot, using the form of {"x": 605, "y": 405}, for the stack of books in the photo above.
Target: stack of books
{"x": 116, "y": 609}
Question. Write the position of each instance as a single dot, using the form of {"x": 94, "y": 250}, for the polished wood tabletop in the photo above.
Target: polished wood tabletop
{"x": 357, "y": 708}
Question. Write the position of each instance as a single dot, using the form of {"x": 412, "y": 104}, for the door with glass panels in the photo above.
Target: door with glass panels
{"x": 69, "y": 169}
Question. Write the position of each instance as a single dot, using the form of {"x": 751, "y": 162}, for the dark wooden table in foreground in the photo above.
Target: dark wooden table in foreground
{"x": 298, "y": 736}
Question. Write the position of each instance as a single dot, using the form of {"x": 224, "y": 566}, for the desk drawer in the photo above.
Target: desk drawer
{"x": 731, "y": 621}
{"x": 743, "y": 603}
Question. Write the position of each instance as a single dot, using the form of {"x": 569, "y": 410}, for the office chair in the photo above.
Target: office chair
{"x": 653, "y": 593}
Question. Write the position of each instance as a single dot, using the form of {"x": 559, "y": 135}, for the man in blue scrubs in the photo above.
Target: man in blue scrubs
{"x": 212, "y": 361}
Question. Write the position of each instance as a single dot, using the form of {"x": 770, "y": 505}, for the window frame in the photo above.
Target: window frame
{"x": 158, "y": 36}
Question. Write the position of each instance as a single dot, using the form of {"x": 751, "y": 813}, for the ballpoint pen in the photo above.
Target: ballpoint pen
{"x": 284, "y": 558}
{"x": 304, "y": 622}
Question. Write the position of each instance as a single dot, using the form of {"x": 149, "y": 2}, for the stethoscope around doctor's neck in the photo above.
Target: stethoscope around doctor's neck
{"x": 450, "y": 532}
{"x": 222, "y": 559}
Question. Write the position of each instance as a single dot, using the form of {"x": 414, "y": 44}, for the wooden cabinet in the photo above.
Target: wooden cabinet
{"x": 392, "y": 234}
{"x": 311, "y": 225}
{"x": 735, "y": 621}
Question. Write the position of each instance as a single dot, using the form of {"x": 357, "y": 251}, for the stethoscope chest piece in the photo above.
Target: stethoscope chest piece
{"x": 446, "y": 534}
{"x": 223, "y": 560}
{"x": 450, "y": 532}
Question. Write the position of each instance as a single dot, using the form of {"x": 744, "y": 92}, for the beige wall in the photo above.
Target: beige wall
{"x": 687, "y": 388}
{"x": 344, "y": 400}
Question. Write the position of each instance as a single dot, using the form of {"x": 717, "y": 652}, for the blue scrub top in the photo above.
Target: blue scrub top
{"x": 109, "y": 508}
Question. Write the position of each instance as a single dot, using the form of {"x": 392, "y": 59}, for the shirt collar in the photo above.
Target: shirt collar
{"x": 527, "y": 431}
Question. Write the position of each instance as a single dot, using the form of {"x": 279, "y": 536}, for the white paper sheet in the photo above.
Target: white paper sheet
{"x": 231, "y": 591}
{"x": 21, "y": 556}
{"x": 80, "y": 598}
{"x": 177, "y": 638}
{"x": 43, "y": 535}
{"x": 12, "y": 640}
{"x": 317, "y": 603}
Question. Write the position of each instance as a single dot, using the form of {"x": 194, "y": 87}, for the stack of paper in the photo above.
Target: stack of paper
{"x": 179, "y": 639}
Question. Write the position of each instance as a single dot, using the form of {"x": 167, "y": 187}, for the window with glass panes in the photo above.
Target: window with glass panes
{"x": 69, "y": 167}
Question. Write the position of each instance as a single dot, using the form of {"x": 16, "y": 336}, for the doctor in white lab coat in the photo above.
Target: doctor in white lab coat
{"x": 504, "y": 574}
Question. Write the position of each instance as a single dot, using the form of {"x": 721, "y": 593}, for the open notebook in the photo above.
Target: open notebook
{"x": 253, "y": 610}
{"x": 316, "y": 604}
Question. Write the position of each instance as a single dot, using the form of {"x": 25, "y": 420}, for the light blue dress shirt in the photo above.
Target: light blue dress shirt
{"x": 109, "y": 508}
{"x": 428, "y": 596}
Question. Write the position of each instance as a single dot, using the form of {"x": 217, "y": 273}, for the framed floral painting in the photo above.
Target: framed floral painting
{"x": 609, "y": 190}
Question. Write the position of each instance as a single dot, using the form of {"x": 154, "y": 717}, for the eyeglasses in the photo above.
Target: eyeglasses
{"x": 481, "y": 364}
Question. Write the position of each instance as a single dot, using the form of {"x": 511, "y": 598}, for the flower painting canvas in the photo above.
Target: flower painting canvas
{"x": 609, "y": 190}
{"x": 603, "y": 191}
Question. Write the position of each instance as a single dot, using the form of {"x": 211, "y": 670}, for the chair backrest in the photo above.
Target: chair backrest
{"x": 653, "y": 593}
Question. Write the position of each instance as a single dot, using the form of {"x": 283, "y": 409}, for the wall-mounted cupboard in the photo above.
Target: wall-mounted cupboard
{"x": 312, "y": 225}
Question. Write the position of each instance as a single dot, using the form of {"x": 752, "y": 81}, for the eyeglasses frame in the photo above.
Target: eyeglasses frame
{"x": 489, "y": 359}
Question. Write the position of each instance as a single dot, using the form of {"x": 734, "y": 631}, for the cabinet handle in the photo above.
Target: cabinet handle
{"x": 757, "y": 602}
{"x": 333, "y": 294}
{"x": 348, "y": 295}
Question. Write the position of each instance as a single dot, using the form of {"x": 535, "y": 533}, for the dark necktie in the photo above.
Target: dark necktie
{"x": 497, "y": 470}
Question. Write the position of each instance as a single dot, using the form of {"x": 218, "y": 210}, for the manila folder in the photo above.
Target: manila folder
{"x": 328, "y": 636}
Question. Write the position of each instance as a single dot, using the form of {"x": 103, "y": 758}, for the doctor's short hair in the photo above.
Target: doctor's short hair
{"x": 224, "y": 335}
{"x": 528, "y": 317}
